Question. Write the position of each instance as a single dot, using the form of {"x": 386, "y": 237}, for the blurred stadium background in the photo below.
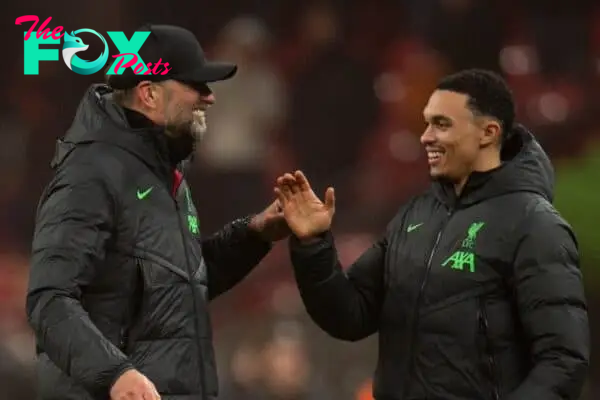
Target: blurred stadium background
{"x": 335, "y": 88}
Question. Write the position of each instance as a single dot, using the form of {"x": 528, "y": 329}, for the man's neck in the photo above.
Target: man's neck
{"x": 484, "y": 164}
{"x": 137, "y": 119}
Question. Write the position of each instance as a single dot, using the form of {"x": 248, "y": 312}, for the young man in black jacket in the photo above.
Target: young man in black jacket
{"x": 475, "y": 288}
{"x": 120, "y": 276}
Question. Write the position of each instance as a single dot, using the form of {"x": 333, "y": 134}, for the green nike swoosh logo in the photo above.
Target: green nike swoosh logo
{"x": 142, "y": 195}
{"x": 412, "y": 227}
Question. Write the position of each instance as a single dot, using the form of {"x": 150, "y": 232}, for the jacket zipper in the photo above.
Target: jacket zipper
{"x": 195, "y": 296}
{"x": 489, "y": 354}
{"x": 414, "y": 334}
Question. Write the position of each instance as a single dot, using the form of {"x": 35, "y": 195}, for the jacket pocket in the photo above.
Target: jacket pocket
{"x": 134, "y": 309}
{"x": 487, "y": 350}
{"x": 134, "y": 306}
{"x": 163, "y": 304}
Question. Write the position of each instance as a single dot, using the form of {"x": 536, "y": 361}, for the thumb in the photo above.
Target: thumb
{"x": 330, "y": 198}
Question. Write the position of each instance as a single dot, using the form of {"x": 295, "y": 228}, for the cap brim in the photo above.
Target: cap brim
{"x": 211, "y": 72}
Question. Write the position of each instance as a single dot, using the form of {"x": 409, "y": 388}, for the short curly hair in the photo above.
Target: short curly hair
{"x": 489, "y": 95}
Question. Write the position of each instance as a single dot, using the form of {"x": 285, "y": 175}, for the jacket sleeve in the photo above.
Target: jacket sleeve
{"x": 346, "y": 305}
{"x": 552, "y": 308}
{"x": 231, "y": 254}
{"x": 74, "y": 221}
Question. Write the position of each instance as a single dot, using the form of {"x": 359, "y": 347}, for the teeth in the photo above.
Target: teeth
{"x": 199, "y": 123}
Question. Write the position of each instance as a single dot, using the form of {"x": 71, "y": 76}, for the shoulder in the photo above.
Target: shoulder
{"x": 543, "y": 224}
{"x": 95, "y": 165}
{"x": 540, "y": 213}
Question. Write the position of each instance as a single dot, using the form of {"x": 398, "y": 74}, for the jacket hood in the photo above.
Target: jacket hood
{"x": 525, "y": 168}
{"x": 100, "y": 119}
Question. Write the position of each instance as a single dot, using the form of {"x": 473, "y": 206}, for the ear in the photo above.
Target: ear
{"x": 491, "y": 133}
{"x": 148, "y": 94}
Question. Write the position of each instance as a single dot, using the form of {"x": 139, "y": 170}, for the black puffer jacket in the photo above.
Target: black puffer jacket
{"x": 475, "y": 297}
{"x": 120, "y": 277}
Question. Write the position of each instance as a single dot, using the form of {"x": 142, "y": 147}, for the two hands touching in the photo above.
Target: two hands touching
{"x": 296, "y": 210}
{"x": 306, "y": 215}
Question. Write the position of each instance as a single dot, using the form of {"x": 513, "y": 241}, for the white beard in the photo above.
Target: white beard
{"x": 199, "y": 125}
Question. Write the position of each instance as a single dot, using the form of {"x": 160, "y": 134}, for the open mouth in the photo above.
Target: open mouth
{"x": 434, "y": 156}
{"x": 198, "y": 122}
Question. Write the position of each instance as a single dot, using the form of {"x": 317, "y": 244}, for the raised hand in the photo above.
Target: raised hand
{"x": 306, "y": 215}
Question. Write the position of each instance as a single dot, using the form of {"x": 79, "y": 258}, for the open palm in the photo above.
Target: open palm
{"x": 306, "y": 215}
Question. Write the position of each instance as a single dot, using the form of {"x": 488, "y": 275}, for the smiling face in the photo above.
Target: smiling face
{"x": 179, "y": 108}
{"x": 183, "y": 109}
{"x": 457, "y": 141}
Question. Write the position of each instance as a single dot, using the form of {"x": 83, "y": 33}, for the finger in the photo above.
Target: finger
{"x": 151, "y": 394}
{"x": 289, "y": 180}
{"x": 280, "y": 180}
{"x": 330, "y": 198}
{"x": 287, "y": 192}
{"x": 277, "y": 206}
{"x": 280, "y": 197}
{"x": 146, "y": 394}
{"x": 282, "y": 185}
{"x": 295, "y": 184}
{"x": 294, "y": 188}
{"x": 302, "y": 181}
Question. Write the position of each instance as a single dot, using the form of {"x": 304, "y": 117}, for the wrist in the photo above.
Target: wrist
{"x": 126, "y": 367}
{"x": 307, "y": 240}
{"x": 256, "y": 226}
{"x": 255, "y": 223}
{"x": 311, "y": 238}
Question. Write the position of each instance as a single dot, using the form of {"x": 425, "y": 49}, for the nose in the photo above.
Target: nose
{"x": 427, "y": 137}
{"x": 208, "y": 99}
